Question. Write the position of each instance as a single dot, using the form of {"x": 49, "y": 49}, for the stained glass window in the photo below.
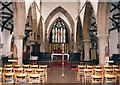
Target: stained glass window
{"x": 58, "y": 32}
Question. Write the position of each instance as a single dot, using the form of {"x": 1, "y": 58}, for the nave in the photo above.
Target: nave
{"x": 60, "y": 41}
{"x": 55, "y": 76}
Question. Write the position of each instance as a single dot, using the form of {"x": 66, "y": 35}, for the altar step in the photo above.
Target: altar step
{"x": 67, "y": 64}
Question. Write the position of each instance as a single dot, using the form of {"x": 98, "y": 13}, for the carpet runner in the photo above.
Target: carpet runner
{"x": 67, "y": 64}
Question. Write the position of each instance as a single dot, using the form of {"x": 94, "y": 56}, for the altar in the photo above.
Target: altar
{"x": 58, "y": 54}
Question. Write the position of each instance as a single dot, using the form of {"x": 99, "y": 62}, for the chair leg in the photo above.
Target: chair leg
{"x": 46, "y": 77}
{"x": 78, "y": 76}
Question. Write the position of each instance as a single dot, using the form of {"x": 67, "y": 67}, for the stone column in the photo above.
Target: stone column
{"x": 86, "y": 49}
{"x": 34, "y": 20}
{"x": 102, "y": 22}
{"x": 19, "y": 17}
{"x": 19, "y": 43}
{"x": 19, "y": 27}
{"x": 86, "y": 27}
{"x": 102, "y": 43}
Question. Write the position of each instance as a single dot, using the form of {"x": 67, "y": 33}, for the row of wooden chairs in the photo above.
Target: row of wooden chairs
{"x": 26, "y": 72}
{"x": 99, "y": 67}
{"x": 23, "y": 78}
{"x": 98, "y": 73}
{"x": 25, "y": 66}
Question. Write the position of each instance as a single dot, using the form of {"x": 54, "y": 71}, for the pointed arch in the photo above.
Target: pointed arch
{"x": 70, "y": 20}
{"x": 40, "y": 30}
{"x": 63, "y": 11}
{"x": 89, "y": 29}
{"x": 79, "y": 36}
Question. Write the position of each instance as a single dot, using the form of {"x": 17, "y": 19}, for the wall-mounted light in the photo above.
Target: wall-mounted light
{"x": 28, "y": 29}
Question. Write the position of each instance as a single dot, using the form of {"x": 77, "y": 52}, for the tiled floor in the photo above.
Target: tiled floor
{"x": 55, "y": 76}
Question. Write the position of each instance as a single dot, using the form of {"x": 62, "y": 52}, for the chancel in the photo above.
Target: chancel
{"x": 59, "y": 41}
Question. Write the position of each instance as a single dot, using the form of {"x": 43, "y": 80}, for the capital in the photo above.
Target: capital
{"x": 102, "y": 36}
{"x": 19, "y": 37}
{"x": 86, "y": 40}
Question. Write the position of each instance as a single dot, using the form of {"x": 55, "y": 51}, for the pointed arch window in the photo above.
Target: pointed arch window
{"x": 58, "y": 32}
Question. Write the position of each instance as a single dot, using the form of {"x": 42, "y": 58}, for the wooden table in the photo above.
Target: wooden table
{"x": 59, "y": 54}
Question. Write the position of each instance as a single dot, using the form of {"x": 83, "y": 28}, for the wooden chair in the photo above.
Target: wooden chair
{"x": 98, "y": 71}
{"x": 115, "y": 66}
{"x": 8, "y": 77}
{"x": 29, "y": 71}
{"x": 80, "y": 73}
{"x": 1, "y": 74}
{"x": 34, "y": 66}
{"x": 110, "y": 79}
{"x": 8, "y": 66}
{"x": 17, "y": 66}
{"x": 117, "y": 73}
{"x": 108, "y": 71}
{"x": 90, "y": 67}
{"x": 98, "y": 67}
{"x": 88, "y": 75}
{"x": 18, "y": 70}
{"x": 34, "y": 78}
{"x": 20, "y": 78}
{"x": 43, "y": 66}
{"x": 107, "y": 67}
{"x": 42, "y": 73}
{"x": 97, "y": 79}
{"x": 7, "y": 70}
{"x": 45, "y": 70}
{"x": 25, "y": 66}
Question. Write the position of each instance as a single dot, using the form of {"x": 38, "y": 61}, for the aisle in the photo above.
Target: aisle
{"x": 54, "y": 76}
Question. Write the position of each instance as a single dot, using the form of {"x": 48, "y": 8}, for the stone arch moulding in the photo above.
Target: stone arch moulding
{"x": 40, "y": 29}
{"x": 69, "y": 18}
{"x": 79, "y": 35}
{"x": 64, "y": 12}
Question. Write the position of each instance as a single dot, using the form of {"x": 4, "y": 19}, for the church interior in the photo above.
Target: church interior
{"x": 59, "y": 41}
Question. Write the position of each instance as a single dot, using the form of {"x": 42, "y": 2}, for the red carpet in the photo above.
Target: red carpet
{"x": 59, "y": 64}
{"x": 74, "y": 69}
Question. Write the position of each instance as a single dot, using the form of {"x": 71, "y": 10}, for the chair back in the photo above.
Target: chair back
{"x": 8, "y": 66}
{"x": 20, "y": 78}
{"x": 18, "y": 70}
{"x": 17, "y": 66}
{"x": 8, "y": 77}
{"x": 34, "y": 78}
{"x": 25, "y": 66}
{"x": 7, "y": 70}
{"x": 98, "y": 71}
{"x": 110, "y": 79}
{"x": 97, "y": 79}
{"x": 29, "y": 70}
{"x": 34, "y": 66}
